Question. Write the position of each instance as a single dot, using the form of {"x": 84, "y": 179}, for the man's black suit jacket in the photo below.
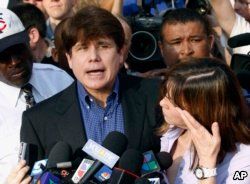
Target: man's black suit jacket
{"x": 59, "y": 118}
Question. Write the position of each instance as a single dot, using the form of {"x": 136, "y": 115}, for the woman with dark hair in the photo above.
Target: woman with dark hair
{"x": 205, "y": 127}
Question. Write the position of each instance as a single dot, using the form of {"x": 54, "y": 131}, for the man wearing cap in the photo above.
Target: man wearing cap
{"x": 16, "y": 71}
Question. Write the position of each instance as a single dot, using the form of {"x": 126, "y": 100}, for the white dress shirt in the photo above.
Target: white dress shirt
{"x": 46, "y": 80}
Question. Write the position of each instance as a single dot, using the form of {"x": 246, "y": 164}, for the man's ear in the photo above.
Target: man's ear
{"x": 211, "y": 41}
{"x": 34, "y": 36}
{"x": 122, "y": 55}
{"x": 160, "y": 45}
{"x": 69, "y": 59}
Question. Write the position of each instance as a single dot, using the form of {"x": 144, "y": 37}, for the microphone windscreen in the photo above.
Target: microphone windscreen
{"x": 115, "y": 142}
{"x": 61, "y": 152}
{"x": 131, "y": 160}
{"x": 239, "y": 40}
{"x": 164, "y": 159}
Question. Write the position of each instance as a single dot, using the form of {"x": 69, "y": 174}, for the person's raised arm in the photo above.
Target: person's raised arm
{"x": 225, "y": 14}
{"x": 114, "y": 6}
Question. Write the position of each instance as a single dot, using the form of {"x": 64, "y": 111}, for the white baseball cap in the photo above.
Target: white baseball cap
{"x": 12, "y": 31}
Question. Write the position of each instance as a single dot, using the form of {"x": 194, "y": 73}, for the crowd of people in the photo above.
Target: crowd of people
{"x": 65, "y": 76}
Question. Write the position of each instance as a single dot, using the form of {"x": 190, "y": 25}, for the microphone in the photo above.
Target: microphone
{"x": 38, "y": 169}
{"x": 82, "y": 170}
{"x": 59, "y": 156}
{"x": 60, "y": 153}
{"x": 29, "y": 153}
{"x": 164, "y": 160}
{"x": 239, "y": 40}
{"x": 142, "y": 181}
{"x": 112, "y": 147}
{"x": 129, "y": 168}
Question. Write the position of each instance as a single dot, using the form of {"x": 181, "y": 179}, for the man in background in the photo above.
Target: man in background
{"x": 22, "y": 85}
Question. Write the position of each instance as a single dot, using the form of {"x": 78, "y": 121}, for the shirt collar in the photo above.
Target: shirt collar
{"x": 83, "y": 94}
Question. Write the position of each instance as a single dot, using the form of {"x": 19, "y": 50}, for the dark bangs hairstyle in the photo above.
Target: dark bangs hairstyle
{"x": 209, "y": 90}
{"x": 91, "y": 23}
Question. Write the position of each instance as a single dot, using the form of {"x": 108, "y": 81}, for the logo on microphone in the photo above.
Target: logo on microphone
{"x": 100, "y": 153}
{"x": 150, "y": 163}
{"x": 82, "y": 169}
{"x": 103, "y": 174}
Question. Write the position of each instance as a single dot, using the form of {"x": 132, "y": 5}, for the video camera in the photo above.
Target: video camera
{"x": 144, "y": 53}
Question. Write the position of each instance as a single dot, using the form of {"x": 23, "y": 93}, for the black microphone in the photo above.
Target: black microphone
{"x": 61, "y": 152}
{"x": 59, "y": 156}
{"x": 115, "y": 142}
{"x": 29, "y": 153}
{"x": 239, "y": 40}
{"x": 129, "y": 168}
{"x": 164, "y": 159}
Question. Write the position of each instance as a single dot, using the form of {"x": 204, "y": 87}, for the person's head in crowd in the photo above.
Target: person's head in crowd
{"x": 35, "y": 24}
{"x": 184, "y": 33}
{"x": 38, "y": 4}
{"x": 242, "y": 7}
{"x": 58, "y": 10}
{"x": 83, "y": 3}
{"x": 94, "y": 48}
{"x": 208, "y": 90}
{"x": 15, "y": 55}
{"x": 128, "y": 35}
{"x": 58, "y": 53}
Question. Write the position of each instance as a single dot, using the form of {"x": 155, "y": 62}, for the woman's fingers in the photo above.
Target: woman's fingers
{"x": 190, "y": 122}
{"x": 216, "y": 131}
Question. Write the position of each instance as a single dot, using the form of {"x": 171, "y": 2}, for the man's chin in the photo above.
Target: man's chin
{"x": 20, "y": 83}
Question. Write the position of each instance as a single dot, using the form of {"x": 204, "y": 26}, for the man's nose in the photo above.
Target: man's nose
{"x": 15, "y": 60}
{"x": 186, "y": 49}
{"x": 94, "y": 54}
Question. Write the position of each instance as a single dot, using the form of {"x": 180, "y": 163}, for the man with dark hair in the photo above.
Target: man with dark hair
{"x": 35, "y": 24}
{"x": 22, "y": 84}
{"x": 101, "y": 100}
{"x": 185, "y": 33}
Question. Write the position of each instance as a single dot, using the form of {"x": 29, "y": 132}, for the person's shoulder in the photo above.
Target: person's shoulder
{"x": 46, "y": 67}
{"x": 50, "y": 104}
{"x": 240, "y": 158}
{"x": 50, "y": 71}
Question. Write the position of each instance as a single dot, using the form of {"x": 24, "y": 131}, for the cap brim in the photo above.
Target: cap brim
{"x": 14, "y": 39}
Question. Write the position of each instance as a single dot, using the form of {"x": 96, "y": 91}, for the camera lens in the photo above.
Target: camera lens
{"x": 143, "y": 45}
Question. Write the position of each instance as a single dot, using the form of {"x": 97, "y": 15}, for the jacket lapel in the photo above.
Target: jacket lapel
{"x": 133, "y": 105}
{"x": 71, "y": 124}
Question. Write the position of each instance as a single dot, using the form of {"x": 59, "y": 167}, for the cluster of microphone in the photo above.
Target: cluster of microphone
{"x": 109, "y": 163}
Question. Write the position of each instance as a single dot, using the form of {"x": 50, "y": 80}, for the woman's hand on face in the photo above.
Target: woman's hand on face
{"x": 19, "y": 174}
{"x": 206, "y": 144}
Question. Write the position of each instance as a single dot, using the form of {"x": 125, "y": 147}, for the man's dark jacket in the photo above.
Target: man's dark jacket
{"x": 59, "y": 117}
